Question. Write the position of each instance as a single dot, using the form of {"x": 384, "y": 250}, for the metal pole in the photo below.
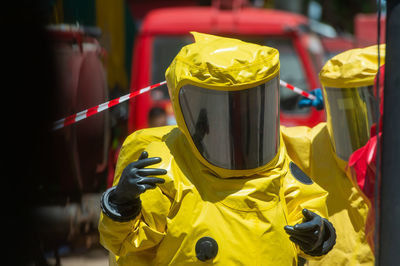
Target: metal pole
{"x": 389, "y": 205}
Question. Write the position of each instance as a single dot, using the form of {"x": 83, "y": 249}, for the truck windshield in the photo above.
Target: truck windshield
{"x": 166, "y": 47}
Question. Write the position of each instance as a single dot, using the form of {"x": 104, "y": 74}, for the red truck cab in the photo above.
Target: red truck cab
{"x": 165, "y": 31}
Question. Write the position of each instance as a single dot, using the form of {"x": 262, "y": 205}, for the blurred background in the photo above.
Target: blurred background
{"x": 64, "y": 56}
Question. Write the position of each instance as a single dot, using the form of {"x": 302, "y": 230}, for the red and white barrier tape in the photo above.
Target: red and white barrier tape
{"x": 297, "y": 90}
{"x": 99, "y": 108}
{"x": 104, "y": 106}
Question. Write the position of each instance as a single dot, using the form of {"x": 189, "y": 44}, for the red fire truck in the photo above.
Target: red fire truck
{"x": 165, "y": 31}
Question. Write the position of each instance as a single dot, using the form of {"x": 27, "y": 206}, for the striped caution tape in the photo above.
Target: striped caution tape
{"x": 104, "y": 106}
{"x": 99, "y": 108}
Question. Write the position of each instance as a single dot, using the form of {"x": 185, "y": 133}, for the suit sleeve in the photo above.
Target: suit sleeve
{"x": 148, "y": 228}
{"x": 301, "y": 193}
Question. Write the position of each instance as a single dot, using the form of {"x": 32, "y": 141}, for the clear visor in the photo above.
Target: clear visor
{"x": 234, "y": 130}
{"x": 350, "y": 115}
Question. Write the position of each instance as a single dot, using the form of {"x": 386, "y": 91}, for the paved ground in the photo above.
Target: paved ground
{"x": 93, "y": 257}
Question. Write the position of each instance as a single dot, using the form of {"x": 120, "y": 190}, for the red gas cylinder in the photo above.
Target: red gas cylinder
{"x": 81, "y": 148}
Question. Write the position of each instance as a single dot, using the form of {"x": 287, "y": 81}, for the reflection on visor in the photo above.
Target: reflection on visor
{"x": 350, "y": 114}
{"x": 233, "y": 129}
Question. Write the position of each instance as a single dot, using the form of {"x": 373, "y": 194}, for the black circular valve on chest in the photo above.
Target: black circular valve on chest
{"x": 206, "y": 248}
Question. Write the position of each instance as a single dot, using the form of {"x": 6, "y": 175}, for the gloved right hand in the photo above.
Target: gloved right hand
{"x": 317, "y": 103}
{"x": 122, "y": 202}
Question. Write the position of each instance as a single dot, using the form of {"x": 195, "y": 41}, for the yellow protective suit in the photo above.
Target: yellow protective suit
{"x": 244, "y": 210}
{"x": 347, "y": 81}
{"x": 244, "y": 215}
{"x": 353, "y": 68}
{"x": 312, "y": 151}
{"x": 221, "y": 64}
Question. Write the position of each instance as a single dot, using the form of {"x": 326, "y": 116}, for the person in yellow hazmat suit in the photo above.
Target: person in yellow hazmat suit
{"x": 221, "y": 189}
{"x": 323, "y": 151}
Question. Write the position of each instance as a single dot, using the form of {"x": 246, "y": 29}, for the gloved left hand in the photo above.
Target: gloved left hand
{"x": 318, "y": 103}
{"x": 316, "y": 236}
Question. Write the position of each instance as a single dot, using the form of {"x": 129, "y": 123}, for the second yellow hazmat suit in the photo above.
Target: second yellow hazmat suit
{"x": 322, "y": 152}
{"x": 243, "y": 210}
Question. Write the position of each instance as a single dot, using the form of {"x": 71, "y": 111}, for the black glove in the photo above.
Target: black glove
{"x": 122, "y": 202}
{"x": 316, "y": 236}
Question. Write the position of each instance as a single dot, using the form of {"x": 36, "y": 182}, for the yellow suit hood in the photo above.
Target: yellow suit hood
{"x": 220, "y": 63}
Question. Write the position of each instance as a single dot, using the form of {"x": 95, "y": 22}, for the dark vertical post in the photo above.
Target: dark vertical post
{"x": 389, "y": 218}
